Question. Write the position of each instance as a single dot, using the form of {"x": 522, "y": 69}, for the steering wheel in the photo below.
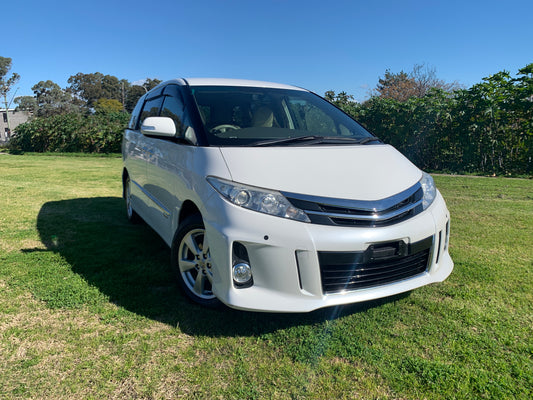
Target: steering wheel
{"x": 223, "y": 128}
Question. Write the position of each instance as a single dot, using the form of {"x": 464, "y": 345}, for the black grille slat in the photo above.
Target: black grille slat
{"x": 335, "y": 275}
{"x": 389, "y": 271}
{"x": 338, "y": 273}
{"x": 362, "y": 284}
{"x": 401, "y": 261}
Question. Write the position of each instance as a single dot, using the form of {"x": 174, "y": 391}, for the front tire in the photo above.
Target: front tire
{"x": 191, "y": 262}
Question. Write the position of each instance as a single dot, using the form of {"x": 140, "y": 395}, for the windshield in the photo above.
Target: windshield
{"x": 249, "y": 116}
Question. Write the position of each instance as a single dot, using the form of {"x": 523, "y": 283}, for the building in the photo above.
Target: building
{"x": 15, "y": 119}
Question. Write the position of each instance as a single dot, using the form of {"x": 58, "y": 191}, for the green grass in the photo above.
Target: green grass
{"x": 88, "y": 307}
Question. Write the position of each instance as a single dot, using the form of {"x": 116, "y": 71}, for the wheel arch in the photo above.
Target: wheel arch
{"x": 187, "y": 209}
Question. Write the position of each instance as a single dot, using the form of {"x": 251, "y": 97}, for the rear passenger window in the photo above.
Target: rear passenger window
{"x": 173, "y": 107}
{"x": 151, "y": 108}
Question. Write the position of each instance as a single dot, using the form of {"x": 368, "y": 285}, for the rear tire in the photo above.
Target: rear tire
{"x": 191, "y": 262}
{"x": 133, "y": 217}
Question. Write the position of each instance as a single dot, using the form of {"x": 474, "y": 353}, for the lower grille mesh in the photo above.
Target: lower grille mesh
{"x": 357, "y": 270}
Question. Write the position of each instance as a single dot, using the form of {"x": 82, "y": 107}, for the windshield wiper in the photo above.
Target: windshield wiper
{"x": 315, "y": 139}
{"x": 368, "y": 140}
{"x": 343, "y": 139}
{"x": 298, "y": 139}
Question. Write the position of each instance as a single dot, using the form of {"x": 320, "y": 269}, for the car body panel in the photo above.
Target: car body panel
{"x": 344, "y": 172}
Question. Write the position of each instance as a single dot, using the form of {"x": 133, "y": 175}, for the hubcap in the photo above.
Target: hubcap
{"x": 195, "y": 263}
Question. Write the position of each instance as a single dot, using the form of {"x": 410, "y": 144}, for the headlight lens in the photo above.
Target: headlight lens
{"x": 429, "y": 189}
{"x": 257, "y": 199}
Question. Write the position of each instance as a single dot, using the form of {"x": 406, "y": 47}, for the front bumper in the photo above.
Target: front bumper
{"x": 284, "y": 256}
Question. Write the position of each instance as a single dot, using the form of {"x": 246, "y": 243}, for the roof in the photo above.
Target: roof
{"x": 237, "y": 82}
{"x": 219, "y": 82}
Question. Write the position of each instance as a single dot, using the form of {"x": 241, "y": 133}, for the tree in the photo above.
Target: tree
{"x": 425, "y": 79}
{"x": 133, "y": 95}
{"x": 106, "y": 106}
{"x": 342, "y": 100}
{"x": 91, "y": 87}
{"x": 134, "y": 92}
{"x": 52, "y": 100}
{"x": 402, "y": 86}
{"x": 26, "y": 103}
{"x": 149, "y": 83}
{"x": 6, "y": 83}
{"x": 397, "y": 86}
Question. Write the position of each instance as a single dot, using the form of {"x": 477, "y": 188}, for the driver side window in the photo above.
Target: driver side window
{"x": 151, "y": 108}
{"x": 173, "y": 107}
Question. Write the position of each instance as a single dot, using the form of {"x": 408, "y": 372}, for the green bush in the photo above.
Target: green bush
{"x": 98, "y": 133}
{"x": 486, "y": 129}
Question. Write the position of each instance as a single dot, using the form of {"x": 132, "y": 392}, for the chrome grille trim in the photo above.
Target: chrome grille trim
{"x": 376, "y": 216}
{"x": 345, "y": 212}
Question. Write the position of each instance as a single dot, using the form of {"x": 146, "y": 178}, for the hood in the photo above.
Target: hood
{"x": 358, "y": 172}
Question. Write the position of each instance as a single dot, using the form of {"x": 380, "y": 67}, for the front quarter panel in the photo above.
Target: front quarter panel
{"x": 177, "y": 173}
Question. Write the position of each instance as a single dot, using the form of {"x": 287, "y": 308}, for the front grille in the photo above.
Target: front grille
{"x": 344, "y": 212}
{"x": 379, "y": 265}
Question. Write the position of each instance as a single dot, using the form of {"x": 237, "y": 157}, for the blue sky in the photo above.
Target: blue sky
{"x": 319, "y": 45}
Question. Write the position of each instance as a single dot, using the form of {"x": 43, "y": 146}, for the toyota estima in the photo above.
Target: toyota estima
{"x": 272, "y": 199}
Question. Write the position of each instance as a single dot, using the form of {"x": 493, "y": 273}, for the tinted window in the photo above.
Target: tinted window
{"x": 173, "y": 107}
{"x": 240, "y": 116}
{"x": 151, "y": 108}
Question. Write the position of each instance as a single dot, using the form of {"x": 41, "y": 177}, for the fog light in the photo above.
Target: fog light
{"x": 242, "y": 273}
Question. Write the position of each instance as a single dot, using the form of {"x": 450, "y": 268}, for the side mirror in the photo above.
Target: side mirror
{"x": 158, "y": 126}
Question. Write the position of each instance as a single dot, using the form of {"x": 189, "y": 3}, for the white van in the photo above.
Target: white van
{"x": 272, "y": 199}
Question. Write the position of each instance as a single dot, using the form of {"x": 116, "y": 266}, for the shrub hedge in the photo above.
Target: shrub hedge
{"x": 94, "y": 133}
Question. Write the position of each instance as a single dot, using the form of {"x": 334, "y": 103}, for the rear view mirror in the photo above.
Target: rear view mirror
{"x": 158, "y": 126}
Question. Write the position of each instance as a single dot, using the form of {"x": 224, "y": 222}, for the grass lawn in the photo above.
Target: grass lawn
{"x": 88, "y": 307}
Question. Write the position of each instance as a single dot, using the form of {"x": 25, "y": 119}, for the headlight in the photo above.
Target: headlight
{"x": 253, "y": 198}
{"x": 429, "y": 189}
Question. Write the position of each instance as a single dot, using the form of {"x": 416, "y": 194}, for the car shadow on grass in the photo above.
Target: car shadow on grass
{"x": 129, "y": 265}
